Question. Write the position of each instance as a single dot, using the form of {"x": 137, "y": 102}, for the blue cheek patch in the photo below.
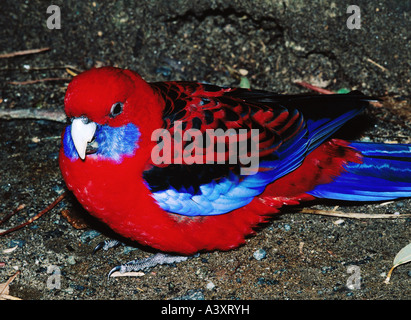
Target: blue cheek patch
{"x": 116, "y": 142}
{"x": 68, "y": 145}
{"x": 113, "y": 142}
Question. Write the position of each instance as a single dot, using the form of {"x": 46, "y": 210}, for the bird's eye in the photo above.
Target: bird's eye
{"x": 116, "y": 109}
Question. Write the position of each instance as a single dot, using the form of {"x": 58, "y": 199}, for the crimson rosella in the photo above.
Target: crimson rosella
{"x": 113, "y": 158}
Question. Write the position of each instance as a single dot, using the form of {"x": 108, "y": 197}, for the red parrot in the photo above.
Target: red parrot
{"x": 127, "y": 159}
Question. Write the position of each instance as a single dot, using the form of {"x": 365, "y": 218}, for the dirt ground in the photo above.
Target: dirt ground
{"x": 304, "y": 256}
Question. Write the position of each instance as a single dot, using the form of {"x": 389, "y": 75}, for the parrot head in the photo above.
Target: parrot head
{"x": 113, "y": 113}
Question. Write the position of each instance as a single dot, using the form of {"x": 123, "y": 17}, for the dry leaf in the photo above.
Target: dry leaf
{"x": 9, "y": 250}
{"x": 4, "y": 288}
{"x": 75, "y": 219}
{"x": 403, "y": 256}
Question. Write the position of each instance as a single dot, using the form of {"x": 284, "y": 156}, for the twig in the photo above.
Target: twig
{"x": 20, "y": 83}
{"x": 22, "y": 53}
{"x": 51, "y": 206}
{"x": 7, "y": 217}
{"x": 71, "y": 72}
{"x": 128, "y": 274}
{"x": 377, "y": 65}
{"x": 58, "y": 116}
{"x": 353, "y": 215}
{"x": 314, "y": 88}
{"x": 325, "y": 91}
{"x": 68, "y": 66}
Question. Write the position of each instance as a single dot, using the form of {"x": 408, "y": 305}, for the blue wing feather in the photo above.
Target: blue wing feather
{"x": 234, "y": 191}
{"x": 384, "y": 174}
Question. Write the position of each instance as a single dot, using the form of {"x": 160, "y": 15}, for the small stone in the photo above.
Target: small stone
{"x": 71, "y": 260}
{"x": 192, "y": 295}
{"x": 128, "y": 249}
{"x": 399, "y": 204}
{"x": 243, "y": 72}
{"x": 16, "y": 242}
{"x": 338, "y": 222}
{"x": 69, "y": 290}
{"x": 261, "y": 280}
{"x": 260, "y": 254}
{"x": 89, "y": 235}
{"x": 210, "y": 285}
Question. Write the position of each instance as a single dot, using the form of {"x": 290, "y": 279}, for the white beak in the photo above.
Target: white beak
{"x": 82, "y": 132}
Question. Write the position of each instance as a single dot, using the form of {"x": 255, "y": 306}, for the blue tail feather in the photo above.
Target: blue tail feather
{"x": 385, "y": 174}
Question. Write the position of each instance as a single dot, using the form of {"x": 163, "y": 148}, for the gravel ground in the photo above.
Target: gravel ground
{"x": 296, "y": 256}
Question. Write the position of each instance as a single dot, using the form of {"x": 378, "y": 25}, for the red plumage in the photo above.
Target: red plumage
{"x": 118, "y": 194}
